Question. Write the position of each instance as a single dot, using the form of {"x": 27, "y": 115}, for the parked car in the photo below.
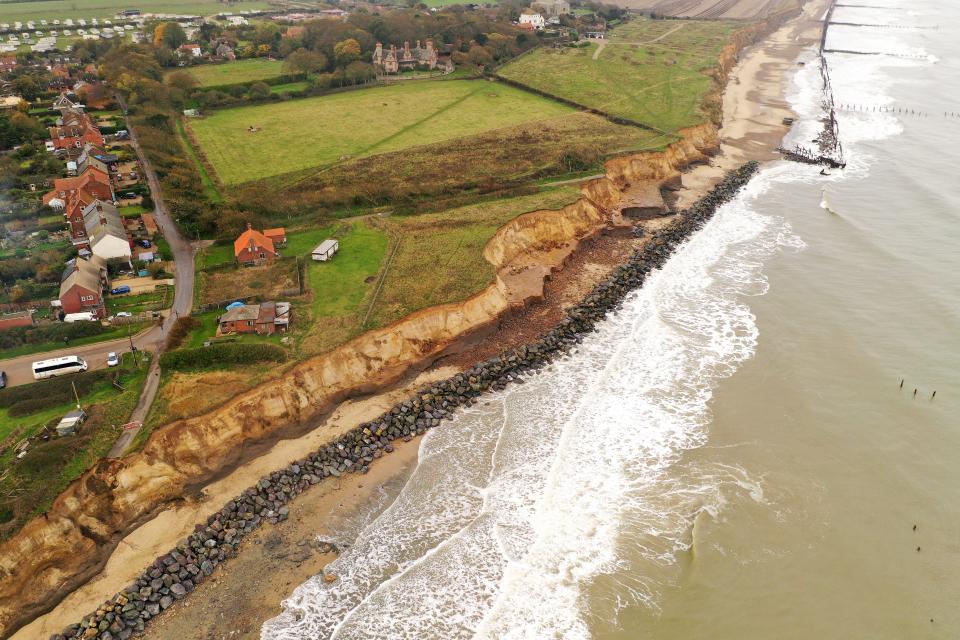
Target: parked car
{"x": 121, "y": 289}
{"x": 3, "y": 379}
{"x": 113, "y": 359}
{"x": 124, "y": 314}
{"x": 128, "y": 195}
{"x": 144, "y": 243}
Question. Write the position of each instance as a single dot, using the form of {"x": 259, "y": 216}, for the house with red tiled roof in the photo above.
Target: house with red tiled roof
{"x": 74, "y": 130}
{"x": 253, "y": 248}
{"x": 93, "y": 181}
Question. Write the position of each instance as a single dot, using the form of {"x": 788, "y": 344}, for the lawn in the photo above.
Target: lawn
{"x": 440, "y": 258}
{"x": 340, "y": 288}
{"x": 235, "y": 72}
{"x": 217, "y": 254}
{"x": 321, "y": 131}
{"x": 131, "y": 211}
{"x": 29, "y": 485}
{"x": 62, "y": 9}
{"x": 651, "y": 71}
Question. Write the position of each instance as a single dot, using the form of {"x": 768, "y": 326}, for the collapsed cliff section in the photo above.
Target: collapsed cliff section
{"x": 53, "y": 554}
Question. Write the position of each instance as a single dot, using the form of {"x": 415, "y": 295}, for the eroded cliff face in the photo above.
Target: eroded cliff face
{"x": 53, "y": 554}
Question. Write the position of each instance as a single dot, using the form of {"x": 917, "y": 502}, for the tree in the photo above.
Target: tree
{"x": 169, "y": 34}
{"x": 181, "y": 80}
{"x": 359, "y": 72}
{"x": 304, "y": 61}
{"x": 260, "y": 90}
{"x": 346, "y": 51}
{"x": 479, "y": 56}
{"x": 266, "y": 33}
{"x": 27, "y": 87}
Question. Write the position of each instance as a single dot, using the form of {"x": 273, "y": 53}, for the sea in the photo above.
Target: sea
{"x": 763, "y": 442}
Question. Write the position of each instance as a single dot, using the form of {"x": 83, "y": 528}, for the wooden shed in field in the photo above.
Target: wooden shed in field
{"x": 325, "y": 250}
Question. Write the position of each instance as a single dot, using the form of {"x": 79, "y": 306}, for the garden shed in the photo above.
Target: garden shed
{"x": 325, "y": 250}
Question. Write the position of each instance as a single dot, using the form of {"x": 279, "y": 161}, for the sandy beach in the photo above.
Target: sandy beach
{"x": 276, "y": 558}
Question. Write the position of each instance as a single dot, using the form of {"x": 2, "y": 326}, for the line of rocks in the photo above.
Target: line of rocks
{"x": 175, "y": 574}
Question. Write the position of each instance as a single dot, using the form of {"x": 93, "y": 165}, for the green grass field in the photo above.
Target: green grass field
{"x": 651, "y": 71}
{"x": 236, "y": 72}
{"x": 454, "y": 267}
{"x": 300, "y": 134}
{"x": 290, "y": 87}
{"x": 61, "y": 9}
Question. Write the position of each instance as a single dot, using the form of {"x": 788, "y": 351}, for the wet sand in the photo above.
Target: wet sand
{"x": 275, "y": 559}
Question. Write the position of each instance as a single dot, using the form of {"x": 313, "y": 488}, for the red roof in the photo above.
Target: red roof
{"x": 278, "y": 232}
{"x": 76, "y": 183}
{"x": 251, "y": 239}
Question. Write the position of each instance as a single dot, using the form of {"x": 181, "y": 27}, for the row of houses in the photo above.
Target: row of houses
{"x": 87, "y": 200}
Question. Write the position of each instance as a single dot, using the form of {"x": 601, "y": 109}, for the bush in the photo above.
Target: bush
{"x": 50, "y": 393}
{"x": 180, "y": 330}
{"x": 222, "y": 354}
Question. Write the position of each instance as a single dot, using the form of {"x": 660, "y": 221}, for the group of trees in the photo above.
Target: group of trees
{"x": 16, "y": 128}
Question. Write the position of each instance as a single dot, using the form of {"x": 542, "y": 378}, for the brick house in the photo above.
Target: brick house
{"x": 264, "y": 319}
{"x": 253, "y": 248}
{"x": 81, "y": 286}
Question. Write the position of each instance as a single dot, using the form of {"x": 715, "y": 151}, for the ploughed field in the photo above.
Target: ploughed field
{"x": 61, "y": 9}
{"x": 250, "y": 143}
{"x": 657, "y": 72}
{"x": 236, "y": 72}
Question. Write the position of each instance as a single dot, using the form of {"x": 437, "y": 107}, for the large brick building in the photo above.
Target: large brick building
{"x": 393, "y": 60}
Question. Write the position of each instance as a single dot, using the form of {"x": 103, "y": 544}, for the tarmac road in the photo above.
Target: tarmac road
{"x": 20, "y": 371}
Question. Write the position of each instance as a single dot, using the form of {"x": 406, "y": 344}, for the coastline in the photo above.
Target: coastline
{"x": 751, "y": 130}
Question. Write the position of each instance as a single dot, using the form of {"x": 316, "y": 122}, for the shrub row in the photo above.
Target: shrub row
{"x": 50, "y": 393}
{"x": 222, "y": 354}
{"x": 51, "y": 332}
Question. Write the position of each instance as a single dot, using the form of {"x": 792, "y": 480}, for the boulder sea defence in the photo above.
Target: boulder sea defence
{"x": 173, "y": 575}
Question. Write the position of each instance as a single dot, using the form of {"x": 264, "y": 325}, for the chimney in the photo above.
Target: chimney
{"x": 249, "y": 226}
{"x": 406, "y": 47}
{"x": 418, "y": 44}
